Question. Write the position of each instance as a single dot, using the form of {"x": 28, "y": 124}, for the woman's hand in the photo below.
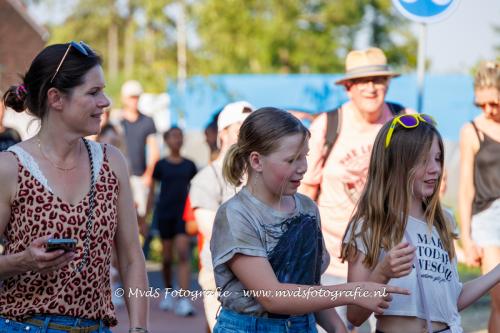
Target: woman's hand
{"x": 397, "y": 262}
{"x": 37, "y": 259}
{"x": 375, "y": 296}
{"x": 473, "y": 253}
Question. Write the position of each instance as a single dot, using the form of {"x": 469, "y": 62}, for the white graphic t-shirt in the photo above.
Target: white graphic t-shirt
{"x": 439, "y": 276}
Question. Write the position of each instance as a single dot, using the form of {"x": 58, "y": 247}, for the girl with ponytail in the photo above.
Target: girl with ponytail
{"x": 267, "y": 247}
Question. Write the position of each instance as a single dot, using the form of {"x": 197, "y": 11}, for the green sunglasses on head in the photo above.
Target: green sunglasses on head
{"x": 408, "y": 121}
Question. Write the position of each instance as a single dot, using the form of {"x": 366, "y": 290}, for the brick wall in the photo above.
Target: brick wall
{"x": 20, "y": 40}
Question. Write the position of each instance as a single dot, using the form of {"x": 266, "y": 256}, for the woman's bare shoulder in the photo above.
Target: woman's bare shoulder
{"x": 8, "y": 172}
{"x": 117, "y": 161}
{"x": 8, "y": 164}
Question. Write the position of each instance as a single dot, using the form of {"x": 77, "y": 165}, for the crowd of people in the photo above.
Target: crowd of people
{"x": 294, "y": 224}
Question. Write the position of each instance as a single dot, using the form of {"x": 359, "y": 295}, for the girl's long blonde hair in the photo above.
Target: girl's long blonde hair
{"x": 260, "y": 132}
{"x": 384, "y": 205}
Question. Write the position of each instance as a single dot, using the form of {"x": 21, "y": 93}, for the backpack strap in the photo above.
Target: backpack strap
{"x": 395, "y": 108}
{"x": 333, "y": 119}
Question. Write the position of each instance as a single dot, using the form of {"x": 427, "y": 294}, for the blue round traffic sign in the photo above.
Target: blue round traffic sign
{"x": 426, "y": 11}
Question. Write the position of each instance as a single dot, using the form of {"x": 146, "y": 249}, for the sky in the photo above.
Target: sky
{"x": 458, "y": 42}
{"x": 453, "y": 45}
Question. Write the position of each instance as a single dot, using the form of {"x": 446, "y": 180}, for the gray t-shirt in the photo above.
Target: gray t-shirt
{"x": 136, "y": 135}
{"x": 292, "y": 242}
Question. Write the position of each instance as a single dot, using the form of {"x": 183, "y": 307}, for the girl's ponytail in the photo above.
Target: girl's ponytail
{"x": 235, "y": 165}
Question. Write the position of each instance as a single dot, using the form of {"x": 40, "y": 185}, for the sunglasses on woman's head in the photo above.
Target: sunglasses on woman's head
{"x": 80, "y": 47}
{"x": 407, "y": 121}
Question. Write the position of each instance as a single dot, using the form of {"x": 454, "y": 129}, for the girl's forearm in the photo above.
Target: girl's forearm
{"x": 295, "y": 299}
{"x": 298, "y": 299}
{"x": 357, "y": 315}
{"x": 473, "y": 290}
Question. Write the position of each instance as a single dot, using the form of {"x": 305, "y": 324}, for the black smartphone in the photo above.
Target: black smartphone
{"x": 66, "y": 244}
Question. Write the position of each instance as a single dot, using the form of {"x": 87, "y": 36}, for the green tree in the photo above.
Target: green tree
{"x": 137, "y": 38}
{"x": 386, "y": 27}
{"x": 132, "y": 38}
{"x": 260, "y": 36}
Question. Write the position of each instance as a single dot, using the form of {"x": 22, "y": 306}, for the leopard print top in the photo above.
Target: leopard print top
{"x": 35, "y": 212}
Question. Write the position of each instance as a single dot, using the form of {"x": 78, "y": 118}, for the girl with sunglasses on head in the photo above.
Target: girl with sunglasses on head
{"x": 267, "y": 247}
{"x": 399, "y": 233}
{"x": 479, "y": 190}
{"x": 58, "y": 185}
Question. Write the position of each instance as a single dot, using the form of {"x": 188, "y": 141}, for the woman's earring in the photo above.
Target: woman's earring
{"x": 255, "y": 180}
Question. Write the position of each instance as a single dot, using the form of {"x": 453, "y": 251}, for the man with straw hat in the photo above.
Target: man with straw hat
{"x": 340, "y": 147}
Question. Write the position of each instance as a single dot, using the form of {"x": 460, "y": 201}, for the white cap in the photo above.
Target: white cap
{"x": 132, "y": 88}
{"x": 233, "y": 113}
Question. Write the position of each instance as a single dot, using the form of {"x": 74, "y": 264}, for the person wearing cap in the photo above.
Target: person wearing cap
{"x": 208, "y": 191}
{"x": 141, "y": 144}
{"x": 336, "y": 180}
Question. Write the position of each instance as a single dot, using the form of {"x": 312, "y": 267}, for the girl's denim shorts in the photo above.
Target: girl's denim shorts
{"x": 45, "y": 323}
{"x": 231, "y": 322}
{"x": 485, "y": 226}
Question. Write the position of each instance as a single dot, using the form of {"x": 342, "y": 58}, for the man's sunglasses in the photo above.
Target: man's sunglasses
{"x": 407, "y": 121}
{"x": 376, "y": 80}
{"x": 80, "y": 47}
{"x": 490, "y": 104}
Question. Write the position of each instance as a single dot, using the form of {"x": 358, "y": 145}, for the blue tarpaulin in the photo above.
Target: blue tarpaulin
{"x": 448, "y": 98}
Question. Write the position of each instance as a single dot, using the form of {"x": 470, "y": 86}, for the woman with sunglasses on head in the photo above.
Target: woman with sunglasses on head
{"x": 479, "y": 191}
{"x": 400, "y": 235}
{"x": 58, "y": 185}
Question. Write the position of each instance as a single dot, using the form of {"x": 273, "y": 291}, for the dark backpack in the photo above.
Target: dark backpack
{"x": 333, "y": 120}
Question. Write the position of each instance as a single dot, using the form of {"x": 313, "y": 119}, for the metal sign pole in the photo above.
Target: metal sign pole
{"x": 421, "y": 66}
{"x": 424, "y": 12}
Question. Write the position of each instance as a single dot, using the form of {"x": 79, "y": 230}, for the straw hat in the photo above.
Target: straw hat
{"x": 366, "y": 63}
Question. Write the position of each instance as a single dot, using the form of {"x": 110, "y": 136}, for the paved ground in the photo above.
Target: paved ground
{"x": 166, "y": 322}
{"x": 474, "y": 319}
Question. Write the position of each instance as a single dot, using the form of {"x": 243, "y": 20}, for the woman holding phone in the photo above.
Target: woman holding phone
{"x": 58, "y": 185}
